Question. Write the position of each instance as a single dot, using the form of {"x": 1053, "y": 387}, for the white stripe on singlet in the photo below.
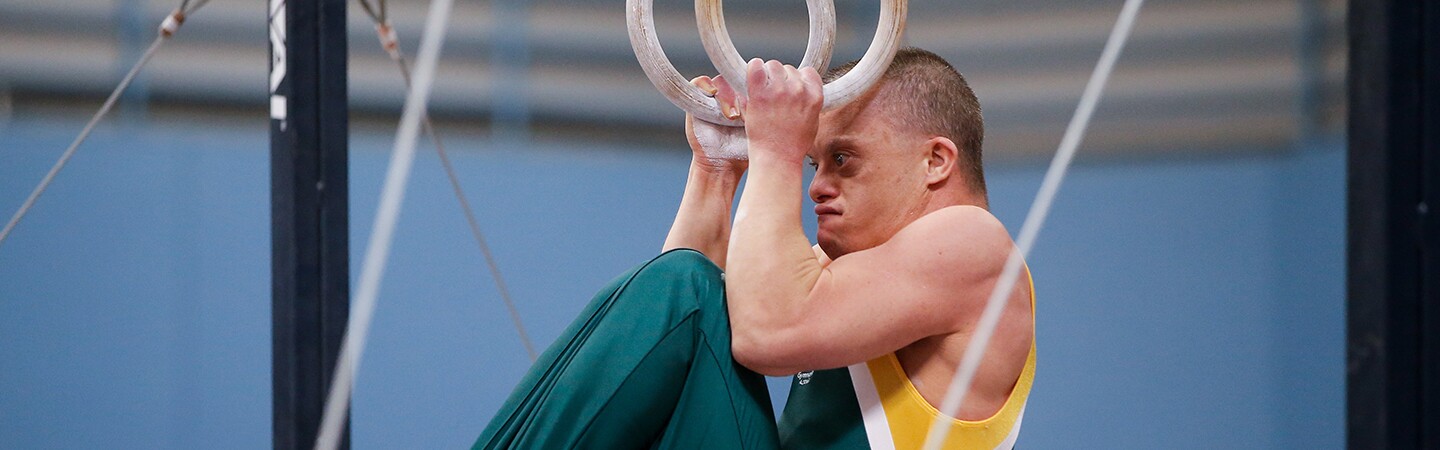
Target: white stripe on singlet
{"x": 1009, "y": 442}
{"x": 877, "y": 428}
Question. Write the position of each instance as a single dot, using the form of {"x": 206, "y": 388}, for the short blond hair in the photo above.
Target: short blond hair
{"x": 930, "y": 96}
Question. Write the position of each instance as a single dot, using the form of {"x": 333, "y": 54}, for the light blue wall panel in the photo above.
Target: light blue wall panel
{"x": 1182, "y": 303}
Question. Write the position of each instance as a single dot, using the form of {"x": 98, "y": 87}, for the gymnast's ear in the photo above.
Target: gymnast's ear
{"x": 941, "y": 155}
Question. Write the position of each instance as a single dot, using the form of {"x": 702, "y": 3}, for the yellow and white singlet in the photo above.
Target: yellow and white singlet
{"x": 874, "y": 405}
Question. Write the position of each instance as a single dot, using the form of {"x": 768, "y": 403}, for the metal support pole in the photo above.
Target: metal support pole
{"x": 1393, "y": 354}
{"x": 309, "y": 220}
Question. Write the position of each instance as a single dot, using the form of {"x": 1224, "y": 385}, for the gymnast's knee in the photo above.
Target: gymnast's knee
{"x": 688, "y": 276}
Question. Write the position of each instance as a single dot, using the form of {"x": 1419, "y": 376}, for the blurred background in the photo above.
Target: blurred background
{"x": 1189, "y": 281}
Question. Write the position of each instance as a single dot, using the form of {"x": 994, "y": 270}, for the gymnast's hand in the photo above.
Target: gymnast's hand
{"x": 718, "y": 146}
{"x": 782, "y": 111}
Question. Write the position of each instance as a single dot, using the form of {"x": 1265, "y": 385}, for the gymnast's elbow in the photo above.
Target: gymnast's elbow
{"x": 766, "y": 352}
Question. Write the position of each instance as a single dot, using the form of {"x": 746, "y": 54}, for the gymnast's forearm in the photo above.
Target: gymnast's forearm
{"x": 775, "y": 269}
{"x": 703, "y": 221}
{"x": 774, "y": 266}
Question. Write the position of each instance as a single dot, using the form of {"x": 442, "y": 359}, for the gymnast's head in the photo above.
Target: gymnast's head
{"x": 909, "y": 146}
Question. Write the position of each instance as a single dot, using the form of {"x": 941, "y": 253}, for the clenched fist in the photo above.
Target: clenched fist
{"x": 782, "y": 109}
{"x": 717, "y": 146}
{"x": 781, "y": 114}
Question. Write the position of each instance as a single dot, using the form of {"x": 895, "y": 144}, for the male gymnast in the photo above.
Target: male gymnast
{"x": 872, "y": 321}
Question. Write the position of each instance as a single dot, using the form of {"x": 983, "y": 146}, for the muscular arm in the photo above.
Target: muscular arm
{"x": 796, "y": 313}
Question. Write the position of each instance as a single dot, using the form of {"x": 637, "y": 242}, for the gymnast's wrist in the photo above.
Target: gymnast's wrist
{"x": 718, "y": 168}
{"x": 775, "y": 155}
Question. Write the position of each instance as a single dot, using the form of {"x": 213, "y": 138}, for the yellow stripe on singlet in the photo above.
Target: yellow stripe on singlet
{"x": 904, "y": 413}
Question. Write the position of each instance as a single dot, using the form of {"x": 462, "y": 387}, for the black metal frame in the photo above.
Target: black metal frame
{"x": 309, "y": 220}
{"x": 1393, "y": 317}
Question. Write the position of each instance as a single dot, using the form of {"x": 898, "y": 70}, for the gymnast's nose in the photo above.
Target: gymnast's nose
{"x": 822, "y": 187}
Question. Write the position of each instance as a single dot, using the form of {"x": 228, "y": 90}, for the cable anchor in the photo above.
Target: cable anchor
{"x": 172, "y": 23}
{"x": 388, "y": 40}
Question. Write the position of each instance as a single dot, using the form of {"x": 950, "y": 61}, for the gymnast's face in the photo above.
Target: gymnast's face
{"x": 869, "y": 176}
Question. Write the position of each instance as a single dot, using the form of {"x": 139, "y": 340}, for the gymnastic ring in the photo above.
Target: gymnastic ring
{"x": 679, "y": 91}
{"x": 710, "y": 16}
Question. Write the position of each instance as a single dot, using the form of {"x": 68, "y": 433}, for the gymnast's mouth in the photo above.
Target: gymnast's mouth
{"x": 824, "y": 210}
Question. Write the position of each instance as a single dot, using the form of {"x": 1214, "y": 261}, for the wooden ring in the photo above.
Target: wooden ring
{"x": 727, "y": 60}
{"x": 710, "y": 16}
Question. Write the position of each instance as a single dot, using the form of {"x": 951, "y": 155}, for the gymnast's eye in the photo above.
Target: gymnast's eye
{"x": 811, "y": 162}
{"x": 840, "y": 159}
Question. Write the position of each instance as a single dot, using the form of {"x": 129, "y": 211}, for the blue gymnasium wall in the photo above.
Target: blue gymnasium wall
{"x": 1182, "y": 303}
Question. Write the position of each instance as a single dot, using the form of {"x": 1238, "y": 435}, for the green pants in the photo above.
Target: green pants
{"x": 646, "y": 365}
